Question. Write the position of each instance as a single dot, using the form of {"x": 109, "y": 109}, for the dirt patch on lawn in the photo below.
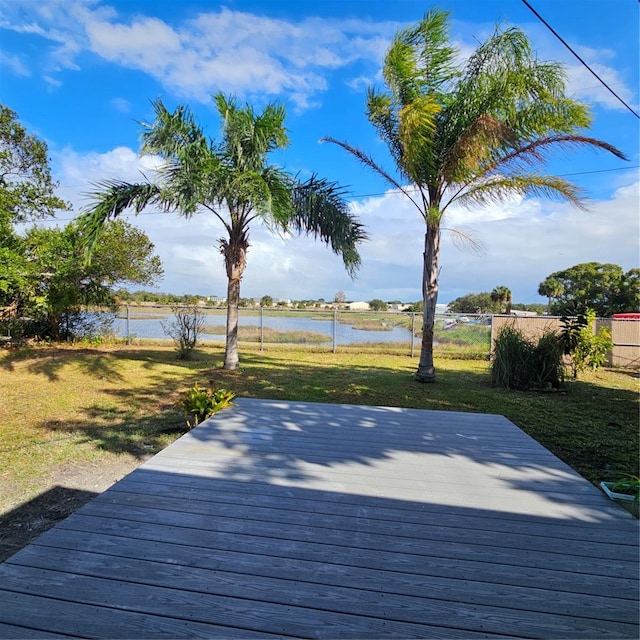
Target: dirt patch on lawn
{"x": 68, "y": 488}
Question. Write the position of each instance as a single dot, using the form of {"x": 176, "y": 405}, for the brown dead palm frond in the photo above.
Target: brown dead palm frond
{"x": 474, "y": 147}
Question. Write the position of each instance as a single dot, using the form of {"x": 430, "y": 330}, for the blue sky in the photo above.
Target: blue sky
{"x": 81, "y": 73}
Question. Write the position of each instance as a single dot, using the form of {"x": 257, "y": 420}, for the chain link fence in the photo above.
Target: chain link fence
{"x": 324, "y": 329}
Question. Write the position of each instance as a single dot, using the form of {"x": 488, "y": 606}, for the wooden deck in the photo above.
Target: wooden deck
{"x": 286, "y": 519}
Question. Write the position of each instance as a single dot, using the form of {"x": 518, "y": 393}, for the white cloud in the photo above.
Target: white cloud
{"x": 232, "y": 51}
{"x": 15, "y": 65}
{"x": 121, "y": 105}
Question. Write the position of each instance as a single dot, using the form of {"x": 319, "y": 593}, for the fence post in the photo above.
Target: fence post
{"x": 128, "y": 332}
{"x": 413, "y": 331}
{"x": 335, "y": 324}
{"x": 261, "y": 328}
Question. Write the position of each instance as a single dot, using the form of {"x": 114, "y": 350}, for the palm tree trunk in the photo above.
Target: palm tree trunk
{"x": 426, "y": 371}
{"x": 231, "y": 358}
{"x": 235, "y": 259}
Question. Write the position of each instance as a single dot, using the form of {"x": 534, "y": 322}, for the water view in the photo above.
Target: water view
{"x": 345, "y": 333}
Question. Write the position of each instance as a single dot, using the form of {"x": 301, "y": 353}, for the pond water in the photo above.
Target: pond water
{"x": 345, "y": 334}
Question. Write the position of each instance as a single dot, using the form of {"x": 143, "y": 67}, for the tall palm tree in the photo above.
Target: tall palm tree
{"x": 501, "y": 295}
{"x": 470, "y": 135}
{"x": 550, "y": 288}
{"x": 232, "y": 180}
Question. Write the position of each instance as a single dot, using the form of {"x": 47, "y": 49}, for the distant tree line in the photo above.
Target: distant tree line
{"x": 604, "y": 288}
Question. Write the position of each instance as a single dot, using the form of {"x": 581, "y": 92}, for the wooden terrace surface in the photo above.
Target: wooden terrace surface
{"x": 289, "y": 519}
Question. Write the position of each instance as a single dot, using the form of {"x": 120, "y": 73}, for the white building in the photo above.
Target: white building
{"x": 358, "y": 306}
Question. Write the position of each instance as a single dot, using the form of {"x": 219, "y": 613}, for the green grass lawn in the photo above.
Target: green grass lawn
{"x": 66, "y": 406}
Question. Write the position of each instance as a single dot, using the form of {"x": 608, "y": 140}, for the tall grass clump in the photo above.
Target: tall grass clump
{"x": 521, "y": 363}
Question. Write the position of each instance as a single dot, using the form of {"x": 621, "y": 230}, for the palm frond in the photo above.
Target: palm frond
{"x": 171, "y": 133}
{"x": 496, "y": 189}
{"x": 279, "y": 184}
{"x": 474, "y": 147}
{"x": 385, "y": 119}
{"x": 371, "y": 163}
{"x": 109, "y": 201}
{"x": 320, "y": 209}
{"x": 464, "y": 239}
{"x": 248, "y": 137}
{"x": 425, "y": 61}
{"x": 533, "y": 153}
{"x": 416, "y": 131}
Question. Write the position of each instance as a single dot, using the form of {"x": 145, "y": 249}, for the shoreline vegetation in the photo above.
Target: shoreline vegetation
{"x": 273, "y": 336}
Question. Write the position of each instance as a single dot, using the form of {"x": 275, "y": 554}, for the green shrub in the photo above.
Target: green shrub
{"x": 585, "y": 348}
{"x": 521, "y": 363}
{"x": 547, "y": 368}
{"x": 199, "y": 404}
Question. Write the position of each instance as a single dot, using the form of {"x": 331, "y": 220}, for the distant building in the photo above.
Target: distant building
{"x": 217, "y": 299}
{"x": 358, "y": 306}
{"x": 523, "y": 314}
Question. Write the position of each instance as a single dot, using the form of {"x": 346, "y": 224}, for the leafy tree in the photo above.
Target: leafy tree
{"x": 266, "y": 301}
{"x": 415, "y": 307}
{"x": 605, "y": 288}
{"x": 62, "y": 284}
{"x": 627, "y": 297}
{"x": 502, "y": 296}
{"x": 42, "y": 276}
{"x": 26, "y": 193}
{"x": 550, "y": 288}
{"x": 377, "y": 305}
{"x": 18, "y": 279}
{"x": 473, "y": 303}
{"x": 471, "y": 135}
{"x": 232, "y": 179}
{"x": 26, "y": 186}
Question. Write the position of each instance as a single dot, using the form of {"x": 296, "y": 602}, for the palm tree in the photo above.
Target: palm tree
{"x": 501, "y": 295}
{"x": 550, "y": 288}
{"x": 471, "y": 135}
{"x": 232, "y": 180}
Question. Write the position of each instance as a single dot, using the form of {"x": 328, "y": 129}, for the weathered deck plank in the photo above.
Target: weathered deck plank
{"x": 279, "y": 519}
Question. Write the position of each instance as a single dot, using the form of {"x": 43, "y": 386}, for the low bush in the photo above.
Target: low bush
{"x": 522, "y": 363}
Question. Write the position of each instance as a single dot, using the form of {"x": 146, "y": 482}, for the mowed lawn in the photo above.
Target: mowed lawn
{"x": 66, "y": 406}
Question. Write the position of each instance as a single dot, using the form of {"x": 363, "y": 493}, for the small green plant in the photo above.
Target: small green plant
{"x": 629, "y": 485}
{"x": 199, "y": 404}
{"x": 585, "y": 347}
